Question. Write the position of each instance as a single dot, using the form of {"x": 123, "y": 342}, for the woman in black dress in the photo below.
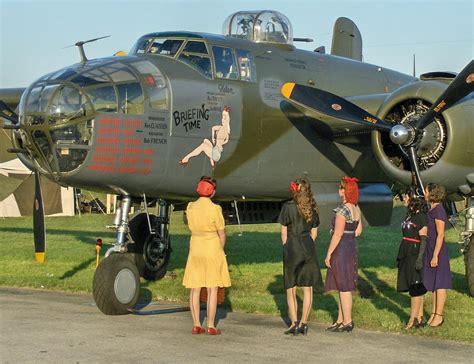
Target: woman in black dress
{"x": 299, "y": 228}
{"x": 410, "y": 257}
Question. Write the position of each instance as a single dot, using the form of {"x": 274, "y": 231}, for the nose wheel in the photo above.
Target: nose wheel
{"x": 116, "y": 284}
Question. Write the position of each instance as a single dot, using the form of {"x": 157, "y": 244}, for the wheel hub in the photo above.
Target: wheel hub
{"x": 125, "y": 286}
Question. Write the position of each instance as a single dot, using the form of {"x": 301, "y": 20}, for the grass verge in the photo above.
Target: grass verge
{"x": 255, "y": 262}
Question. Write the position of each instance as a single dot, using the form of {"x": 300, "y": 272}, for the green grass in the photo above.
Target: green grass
{"x": 255, "y": 262}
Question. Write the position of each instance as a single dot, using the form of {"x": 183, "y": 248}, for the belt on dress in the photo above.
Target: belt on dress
{"x": 204, "y": 233}
{"x": 411, "y": 240}
{"x": 344, "y": 232}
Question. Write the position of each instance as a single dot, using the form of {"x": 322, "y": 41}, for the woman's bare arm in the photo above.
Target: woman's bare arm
{"x": 314, "y": 233}
{"x": 439, "y": 242}
{"x": 222, "y": 237}
{"x": 284, "y": 234}
{"x": 336, "y": 237}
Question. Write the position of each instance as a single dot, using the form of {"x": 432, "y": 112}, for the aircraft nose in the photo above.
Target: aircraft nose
{"x": 57, "y": 120}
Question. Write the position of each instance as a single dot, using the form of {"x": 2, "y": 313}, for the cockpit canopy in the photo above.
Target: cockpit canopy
{"x": 263, "y": 26}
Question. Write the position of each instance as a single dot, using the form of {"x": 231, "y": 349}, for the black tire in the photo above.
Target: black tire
{"x": 116, "y": 284}
{"x": 469, "y": 262}
{"x": 146, "y": 245}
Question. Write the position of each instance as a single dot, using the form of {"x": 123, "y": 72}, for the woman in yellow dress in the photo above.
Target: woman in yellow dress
{"x": 207, "y": 264}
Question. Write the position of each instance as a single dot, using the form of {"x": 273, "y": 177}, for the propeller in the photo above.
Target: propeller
{"x": 38, "y": 222}
{"x": 460, "y": 87}
{"x": 402, "y": 134}
{"x": 39, "y": 232}
{"x": 332, "y": 106}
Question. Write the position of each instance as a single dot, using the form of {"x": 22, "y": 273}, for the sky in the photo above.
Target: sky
{"x": 34, "y": 33}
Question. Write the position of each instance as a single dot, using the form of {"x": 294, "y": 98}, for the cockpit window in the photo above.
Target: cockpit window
{"x": 140, "y": 46}
{"x": 247, "y": 68}
{"x": 226, "y": 66}
{"x": 195, "y": 47}
{"x": 165, "y": 47}
{"x": 196, "y": 55}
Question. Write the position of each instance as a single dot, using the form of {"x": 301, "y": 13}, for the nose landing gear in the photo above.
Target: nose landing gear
{"x": 142, "y": 249}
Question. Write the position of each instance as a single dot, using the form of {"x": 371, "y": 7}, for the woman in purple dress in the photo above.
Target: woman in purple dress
{"x": 341, "y": 258}
{"x": 436, "y": 269}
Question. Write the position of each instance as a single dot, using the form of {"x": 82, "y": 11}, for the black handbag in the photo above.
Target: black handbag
{"x": 417, "y": 288}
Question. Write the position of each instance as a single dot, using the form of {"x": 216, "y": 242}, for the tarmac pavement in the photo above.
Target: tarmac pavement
{"x": 45, "y": 326}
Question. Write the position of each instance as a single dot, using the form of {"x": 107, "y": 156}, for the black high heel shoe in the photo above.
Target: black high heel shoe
{"x": 334, "y": 326}
{"x": 345, "y": 328}
{"x": 293, "y": 328}
{"x": 302, "y": 329}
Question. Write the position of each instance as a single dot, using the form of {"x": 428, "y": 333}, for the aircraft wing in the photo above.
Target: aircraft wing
{"x": 11, "y": 96}
{"x": 333, "y": 116}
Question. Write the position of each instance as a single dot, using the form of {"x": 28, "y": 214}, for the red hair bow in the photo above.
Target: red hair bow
{"x": 294, "y": 187}
{"x": 350, "y": 179}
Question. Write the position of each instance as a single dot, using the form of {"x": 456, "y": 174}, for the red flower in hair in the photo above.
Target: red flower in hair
{"x": 350, "y": 179}
{"x": 227, "y": 108}
{"x": 294, "y": 187}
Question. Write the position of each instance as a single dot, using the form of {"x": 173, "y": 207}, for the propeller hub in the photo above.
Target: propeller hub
{"x": 402, "y": 134}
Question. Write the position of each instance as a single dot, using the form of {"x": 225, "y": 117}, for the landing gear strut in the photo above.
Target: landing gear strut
{"x": 142, "y": 249}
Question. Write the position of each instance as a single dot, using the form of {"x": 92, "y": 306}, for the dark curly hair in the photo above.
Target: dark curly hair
{"x": 304, "y": 200}
{"x": 415, "y": 205}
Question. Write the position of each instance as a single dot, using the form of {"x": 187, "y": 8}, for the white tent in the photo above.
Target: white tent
{"x": 17, "y": 188}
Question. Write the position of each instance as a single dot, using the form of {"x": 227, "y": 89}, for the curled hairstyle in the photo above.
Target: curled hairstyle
{"x": 437, "y": 192}
{"x": 304, "y": 199}
{"x": 351, "y": 189}
{"x": 416, "y": 204}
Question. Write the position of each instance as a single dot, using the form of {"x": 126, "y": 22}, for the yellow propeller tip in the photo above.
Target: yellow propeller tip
{"x": 39, "y": 257}
{"x": 287, "y": 89}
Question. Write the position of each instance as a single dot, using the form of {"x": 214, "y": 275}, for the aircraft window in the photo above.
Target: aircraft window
{"x": 118, "y": 72}
{"x": 68, "y": 104}
{"x": 156, "y": 84}
{"x": 104, "y": 99}
{"x": 166, "y": 47}
{"x": 131, "y": 98}
{"x": 90, "y": 78}
{"x": 247, "y": 66}
{"x": 195, "y": 47}
{"x": 44, "y": 96}
{"x": 242, "y": 26}
{"x": 140, "y": 46}
{"x": 226, "y": 66}
{"x": 32, "y": 104}
{"x": 201, "y": 64}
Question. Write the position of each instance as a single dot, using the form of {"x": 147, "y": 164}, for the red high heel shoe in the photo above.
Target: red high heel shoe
{"x": 213, "y": 331}
{"x": 182, "y": 163}
{"x": 197, "y": 330}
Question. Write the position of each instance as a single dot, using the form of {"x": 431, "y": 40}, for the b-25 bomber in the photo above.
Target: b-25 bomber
{"x": 253, "y": 111}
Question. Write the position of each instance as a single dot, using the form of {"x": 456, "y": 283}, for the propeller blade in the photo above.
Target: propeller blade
{"x": 7, "y": 113}
{"x": 415, "y": 171}
{"x": 332, "y": 105}
{"x": 38, "y": 222}
{"x": 460, "y": 87}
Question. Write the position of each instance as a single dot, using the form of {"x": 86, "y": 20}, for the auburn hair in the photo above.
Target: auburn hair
{"x": 437, "y": 192}
{"x": 304, "y": 200}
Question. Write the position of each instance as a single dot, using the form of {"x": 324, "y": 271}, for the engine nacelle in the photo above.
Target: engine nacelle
{"x": 446, "y": 148}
